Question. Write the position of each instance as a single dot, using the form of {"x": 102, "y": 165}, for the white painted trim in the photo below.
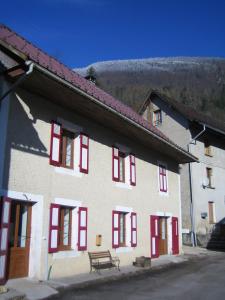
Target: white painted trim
{"x": 167, "y": 178}
{"x": 124, "y": 209}
{"x": 180, "y": 215}
{"x": 163, "y": 214}
{"x": 124, "y": 250}
{"x": 68, "y": 202}
{"x": 123, "y": 185}
{"x": 37, "y": 237}
{"x": 66, "y": 254}
{"x": 169, "y": 235}
{"x": 75, "y": 172}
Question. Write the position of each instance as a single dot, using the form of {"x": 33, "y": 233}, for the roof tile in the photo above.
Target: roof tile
{"x": 46, "y": 61}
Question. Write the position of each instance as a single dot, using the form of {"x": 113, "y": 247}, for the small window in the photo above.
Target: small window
{"x": 209, "y": 176}
{"x": 67, "y": 150}
{"x": 122, "y": 230}
{"x": 121, "y": 167}
{"x": 212, "y": 218}
{"x": 163, "y": 178}
{"x": 65, "y": 225}
{"x": 208, "y": 148}
{"x": 157, "y": 117}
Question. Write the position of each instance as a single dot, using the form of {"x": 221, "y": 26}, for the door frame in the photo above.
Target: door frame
{"x": 168, "y": 217}
{"x": 37, "y": 238}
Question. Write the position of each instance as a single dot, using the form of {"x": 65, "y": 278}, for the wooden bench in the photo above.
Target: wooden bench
{"x": 103, "y": 260}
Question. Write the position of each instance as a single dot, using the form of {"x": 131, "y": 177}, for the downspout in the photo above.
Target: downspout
{"x": 20, "y": 79}
{"x": 193, "y": 233}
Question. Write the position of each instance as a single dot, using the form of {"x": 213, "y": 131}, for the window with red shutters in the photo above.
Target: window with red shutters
{"x": 163, "y": 178}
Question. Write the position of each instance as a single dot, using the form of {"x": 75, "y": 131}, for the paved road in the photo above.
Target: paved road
{"x": 195, "y": 280}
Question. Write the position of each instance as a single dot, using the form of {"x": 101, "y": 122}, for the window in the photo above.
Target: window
{"x": 123, "y": 167}
{"x": 65, "y": 225}
{"x": 163, "y": 178}
{"x": 209, "y": 176}
{"x": 157, "y": 117}
{"x": 208, "y": 148}
{"x": 67, "y": 149}
{"x": 62, "y": 149}
{"x": 124, "y": 231}
{"x": 212, "y": 218}
{"x": 61, "y": 233}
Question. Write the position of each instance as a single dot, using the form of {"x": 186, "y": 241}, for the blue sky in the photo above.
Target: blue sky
{"x": 80, "y": 32}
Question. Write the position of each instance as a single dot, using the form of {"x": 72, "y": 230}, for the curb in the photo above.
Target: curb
{"x": 122, "y": 276}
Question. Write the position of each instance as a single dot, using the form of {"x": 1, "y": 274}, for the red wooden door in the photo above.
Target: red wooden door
{"x": 175, "y": 236}
{"x": 154, "y": 229}
{"x": 5, "y": 204}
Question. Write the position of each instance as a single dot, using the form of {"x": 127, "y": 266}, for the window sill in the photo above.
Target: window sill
{"x": 66, "y": 171}
{"x": 123, "y": 185}
{"x": 124, "y": 249}
{"x": 66, "y": 254}
{"x": 166, "y": 194}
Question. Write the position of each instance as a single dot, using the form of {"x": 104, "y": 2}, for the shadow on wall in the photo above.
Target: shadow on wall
{"x": 21, "y": 135}
{"x": 24, "y": 137}
{"x": 215, "y": 240}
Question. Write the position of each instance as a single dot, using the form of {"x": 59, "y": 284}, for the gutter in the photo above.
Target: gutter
{"x": 193, "y": 233}
{"x": 93, "y": 99}
{"x": 213, "y": 128}
{"x": 19, "y": 80}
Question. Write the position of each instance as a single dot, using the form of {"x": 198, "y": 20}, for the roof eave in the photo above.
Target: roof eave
{"x": 189, "y": 157}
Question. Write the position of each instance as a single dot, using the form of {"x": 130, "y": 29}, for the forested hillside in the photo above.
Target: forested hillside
{"x": 198, "y": 82}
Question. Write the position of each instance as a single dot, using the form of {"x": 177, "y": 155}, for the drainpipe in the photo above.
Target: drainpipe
{"x": 193, "y": 233}
{"x": 20, "y": 79}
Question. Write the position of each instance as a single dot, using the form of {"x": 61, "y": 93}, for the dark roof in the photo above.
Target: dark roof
{"x": 188, "y": 112}
{"x": 33, "y": 53}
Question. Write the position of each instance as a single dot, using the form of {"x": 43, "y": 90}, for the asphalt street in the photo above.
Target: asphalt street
{"x": 198, "y": 279}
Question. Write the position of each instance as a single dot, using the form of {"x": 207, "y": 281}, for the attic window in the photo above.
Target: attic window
{"x": 157, "y": 117}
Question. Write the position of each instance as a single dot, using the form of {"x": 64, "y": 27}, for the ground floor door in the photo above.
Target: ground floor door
{"x": 163, "y": 236}
{"x": 19, "y": 239}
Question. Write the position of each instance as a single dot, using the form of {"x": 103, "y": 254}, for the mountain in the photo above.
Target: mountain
{"x": 195, "y": 81}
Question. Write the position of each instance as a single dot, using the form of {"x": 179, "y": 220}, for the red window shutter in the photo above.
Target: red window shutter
{"x": 84, "y": 153}
{"x": 175, "y": 236}
{"x": 154, "y": 229}
{"x": 133, "y": 229}
{"x": 115, "y": 164}
{"x": 55, "y": 146}
{"x": 5, "y": 205}
{"x": 115, "y": 229}
{"x": 54, "y": 228}
{"x": 82, "y": 229}
{"x": 132, "y": 170}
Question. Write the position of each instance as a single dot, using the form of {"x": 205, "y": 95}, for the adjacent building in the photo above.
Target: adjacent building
{"x": 202, "y": 183}
{"x": 79, "y": 171}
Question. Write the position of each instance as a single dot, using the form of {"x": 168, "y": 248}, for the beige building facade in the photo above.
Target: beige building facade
{"x": 80, "y": 172}
{"x": 202, "y": 183}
